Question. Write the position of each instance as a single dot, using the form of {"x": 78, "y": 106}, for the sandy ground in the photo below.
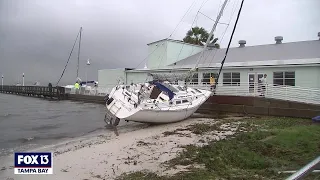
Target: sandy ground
{"x": 106, "y": 157}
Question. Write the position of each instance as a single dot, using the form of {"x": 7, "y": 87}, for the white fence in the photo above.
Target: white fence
{"x": 290, "y": 93}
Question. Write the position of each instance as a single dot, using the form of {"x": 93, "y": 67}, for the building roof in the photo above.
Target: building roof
{"x": 303, "y": 52}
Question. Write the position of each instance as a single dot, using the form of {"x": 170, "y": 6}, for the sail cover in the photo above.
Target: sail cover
{"x": 164, "y": 89}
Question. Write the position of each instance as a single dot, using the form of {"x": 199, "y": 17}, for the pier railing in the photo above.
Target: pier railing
{"x": 43, "y": 91}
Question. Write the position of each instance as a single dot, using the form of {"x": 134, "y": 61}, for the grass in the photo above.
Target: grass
{"x": 271, "y": 144}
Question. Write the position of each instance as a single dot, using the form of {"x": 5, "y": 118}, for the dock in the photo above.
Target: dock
{"x": 36, "y": 91}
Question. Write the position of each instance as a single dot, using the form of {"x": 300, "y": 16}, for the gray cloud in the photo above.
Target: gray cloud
{"x": 36, "y": 36}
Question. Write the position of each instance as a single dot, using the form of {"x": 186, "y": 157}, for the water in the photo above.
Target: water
{"x": 27, "y": 122}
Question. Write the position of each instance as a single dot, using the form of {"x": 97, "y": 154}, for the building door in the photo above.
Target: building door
{"x": 254, "y": 81}
{"x": 260, "y": 75}
{"x": 251, "y": 82}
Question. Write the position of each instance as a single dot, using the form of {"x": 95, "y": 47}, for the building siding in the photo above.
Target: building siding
{"x": 108, "y": 78}
{"x": 178, "y": 51}
{"x": 164, "y": 53}
{"x": 136, "y": 77}
{"x": 157, "y": 55}
{"x": 305, "y": 76}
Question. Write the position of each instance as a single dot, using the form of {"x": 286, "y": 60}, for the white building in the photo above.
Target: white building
{"x": 291, "y": 65}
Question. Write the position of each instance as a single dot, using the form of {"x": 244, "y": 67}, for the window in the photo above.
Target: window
{"x": 284, "y": 78}
{"x": 180, "y": 88}
{"x": 185, "y": 101}
{"x": 197, "y": 90}
{"x": 194, "y": 79}
{"x": 231, "y": 79}
{"x": 171, "y": 88}
{"x": 178, "y": 102}
{"x": 206, "y": 77}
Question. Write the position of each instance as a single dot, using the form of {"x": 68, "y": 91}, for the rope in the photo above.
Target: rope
{"x": 169, "y": 35}
{"x": 211, "y": 34}
{"x": 182, "y": 18}
{"x": 68, "y": 58}
{"x": 194, "y": 20}
{"x": 212, "y": 19}
{"x": 163, "y": 54}
{"x": 147, "y": 56}
{"x": 185, "y": 43}
{"x": 225, "y": 56}
{"x": 233, "y": 11}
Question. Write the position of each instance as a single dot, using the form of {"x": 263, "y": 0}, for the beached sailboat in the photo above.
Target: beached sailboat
{"x": 153, "y": 102}
{"x": 157, "y": 101}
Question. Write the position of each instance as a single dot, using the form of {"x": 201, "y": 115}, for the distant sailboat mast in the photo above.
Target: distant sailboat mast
{"x": 79, "y": 34}
{"x": 79, "y": 54}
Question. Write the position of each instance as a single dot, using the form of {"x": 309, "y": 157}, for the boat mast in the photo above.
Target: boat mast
{"x": 226, "y": 53}
{"x": 65, "y": 67}
{"x": 211, "y": 33}
{"x": 79, "y": 53}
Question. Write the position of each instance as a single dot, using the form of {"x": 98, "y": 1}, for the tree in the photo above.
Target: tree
{"x": 199, "y": 36}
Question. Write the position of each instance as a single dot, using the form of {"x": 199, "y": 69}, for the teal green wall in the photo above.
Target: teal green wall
{"x": 164, "y": 53}
{"x": 177, "y": 51}
{"x": 308, "y": 76}
{"x": 157, "y": 55}
{"x": 108, "y": 78}
{"x": 305, "y": 76}
{"x": 136, "y": 77}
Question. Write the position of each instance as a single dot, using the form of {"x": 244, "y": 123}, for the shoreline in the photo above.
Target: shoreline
{"x": 107, "y": 156}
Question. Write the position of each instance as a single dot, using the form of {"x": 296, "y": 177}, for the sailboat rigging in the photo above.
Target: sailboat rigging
{"x": 226, "y": 53}
{"x": 157, "y": 101}
{"x": 65, "y": 67}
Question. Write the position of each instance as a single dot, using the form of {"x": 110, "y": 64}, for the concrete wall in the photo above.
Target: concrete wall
{"x": 238, "y": 104}
{"x": 259, "y": 106}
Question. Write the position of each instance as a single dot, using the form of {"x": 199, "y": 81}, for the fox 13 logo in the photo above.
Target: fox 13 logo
{"x": 33, "y": 163}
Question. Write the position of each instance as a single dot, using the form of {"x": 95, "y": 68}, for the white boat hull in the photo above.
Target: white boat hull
{"x": 123, "y": 105}
{"x": 161, "y": 116}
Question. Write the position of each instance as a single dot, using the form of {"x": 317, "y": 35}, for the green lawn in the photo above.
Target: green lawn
{"x": 271, "y": 144}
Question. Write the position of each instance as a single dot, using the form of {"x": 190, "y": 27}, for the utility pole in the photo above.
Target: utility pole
{"x": 22, "y": 79}
{"x": 88, "y": 64}
{"x": 2, "y": 81}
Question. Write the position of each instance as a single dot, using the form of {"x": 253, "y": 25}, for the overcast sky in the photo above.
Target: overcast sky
{"x": 36, "y": 36}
